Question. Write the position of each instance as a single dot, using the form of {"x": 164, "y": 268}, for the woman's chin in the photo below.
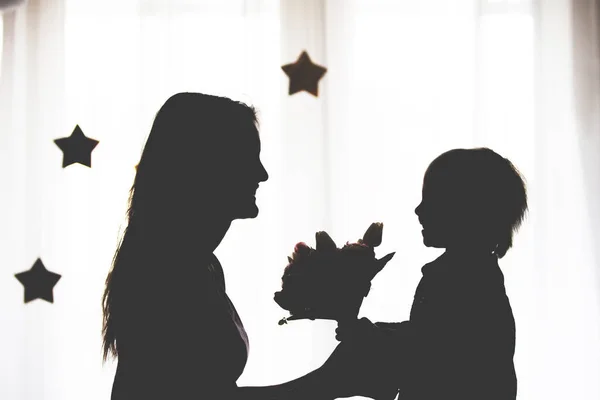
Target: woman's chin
{"x": 249, "y": 211}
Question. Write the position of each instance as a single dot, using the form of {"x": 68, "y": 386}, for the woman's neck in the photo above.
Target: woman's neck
{"x": 211, "y": 234}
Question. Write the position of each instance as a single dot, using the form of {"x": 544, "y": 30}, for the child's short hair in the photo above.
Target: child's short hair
{"x": 495, "y": 185}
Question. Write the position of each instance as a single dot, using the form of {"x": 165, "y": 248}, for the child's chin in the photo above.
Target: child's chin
{"x": 428, "y": 241}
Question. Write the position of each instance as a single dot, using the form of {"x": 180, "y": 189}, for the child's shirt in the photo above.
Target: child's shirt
{"x": 460, "y": 340}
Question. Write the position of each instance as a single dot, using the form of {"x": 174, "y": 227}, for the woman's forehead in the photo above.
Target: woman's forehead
{"x": 251, "y": 134}
{"x": 246, "y": 139}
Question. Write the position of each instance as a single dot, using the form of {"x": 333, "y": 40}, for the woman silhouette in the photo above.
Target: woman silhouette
{"x": 167, "y": 316}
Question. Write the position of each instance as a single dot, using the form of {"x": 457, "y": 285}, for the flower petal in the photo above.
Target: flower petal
{"x": 324, "y": 241}
{"x": 373, "y": 235}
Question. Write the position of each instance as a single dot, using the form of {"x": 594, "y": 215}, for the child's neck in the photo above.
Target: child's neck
{"x": 468, "y": 251}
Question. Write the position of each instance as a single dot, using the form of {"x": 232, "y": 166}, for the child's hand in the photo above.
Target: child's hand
{"x": 363, "y": 329}
{"x": 359, "y": 330}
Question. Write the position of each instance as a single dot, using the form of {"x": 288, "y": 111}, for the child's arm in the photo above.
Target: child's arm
{"x": 393, "y": 342}
{"x": 364, "y": 329}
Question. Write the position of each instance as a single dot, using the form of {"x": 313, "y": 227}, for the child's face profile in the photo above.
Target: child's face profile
{"x": 472, "y": 200}
{"x": 433, "y": 213}
{"x": 444, "y": 212}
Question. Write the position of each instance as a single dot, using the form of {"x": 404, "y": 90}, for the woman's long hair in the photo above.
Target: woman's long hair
{"x": 188, "y": 139}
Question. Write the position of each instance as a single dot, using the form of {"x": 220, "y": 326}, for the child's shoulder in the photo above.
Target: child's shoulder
{"x": 468, "y": 272}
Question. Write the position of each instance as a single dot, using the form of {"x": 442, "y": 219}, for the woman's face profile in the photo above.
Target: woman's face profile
{"x": 243, "y": 171}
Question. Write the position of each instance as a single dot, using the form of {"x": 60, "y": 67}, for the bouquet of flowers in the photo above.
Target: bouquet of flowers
{"x": 330, "y": 282}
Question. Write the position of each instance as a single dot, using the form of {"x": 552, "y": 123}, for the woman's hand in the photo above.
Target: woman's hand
{"x": 356, "y": 330}
{"x": 362, "y": 364}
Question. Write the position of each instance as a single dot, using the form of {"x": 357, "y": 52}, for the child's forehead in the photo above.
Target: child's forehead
{"x": 439, "y": 172}
{"x": 450, "y": 173}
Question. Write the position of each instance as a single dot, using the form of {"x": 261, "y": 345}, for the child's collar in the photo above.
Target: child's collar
{"x": 467, "y": 254}
{"x": 462, "y": 259}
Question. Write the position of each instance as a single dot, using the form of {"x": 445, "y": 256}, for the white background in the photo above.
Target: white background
{"x": 406, "y": 81}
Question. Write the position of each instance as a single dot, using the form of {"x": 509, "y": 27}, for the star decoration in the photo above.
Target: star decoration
{"x": 38, "y": 282}
{"x": 76, "y": 148}
{"x": 304, "y": 75}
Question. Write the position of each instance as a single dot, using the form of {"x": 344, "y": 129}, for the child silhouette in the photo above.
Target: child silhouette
{"x": 459, "y": 342}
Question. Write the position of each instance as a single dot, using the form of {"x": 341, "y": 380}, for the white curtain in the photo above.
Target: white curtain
{"x": 406, "y": 81}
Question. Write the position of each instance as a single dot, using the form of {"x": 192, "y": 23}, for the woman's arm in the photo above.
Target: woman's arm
{"x": 314, "y": 386}
{"x": 357, "y": 367}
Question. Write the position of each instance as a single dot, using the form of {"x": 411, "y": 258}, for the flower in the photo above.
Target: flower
{"x": 372, "y": 236}
{"x": 328, "y": 282}
{"x": 359, "y": 251}
{"x": 301, "y": 247}
{"x": 324, "y": 242}
{"x": 301, "y": 251}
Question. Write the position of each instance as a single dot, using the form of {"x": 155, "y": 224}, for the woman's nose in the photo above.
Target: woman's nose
{"x": 264, "y": 175}
{"x": 418, "y": 209}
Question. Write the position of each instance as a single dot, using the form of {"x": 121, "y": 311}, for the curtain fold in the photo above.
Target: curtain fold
{"x": 586, "y": 85}
{"x": 566, "y": 351}
{"x": 32, "y": 114}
